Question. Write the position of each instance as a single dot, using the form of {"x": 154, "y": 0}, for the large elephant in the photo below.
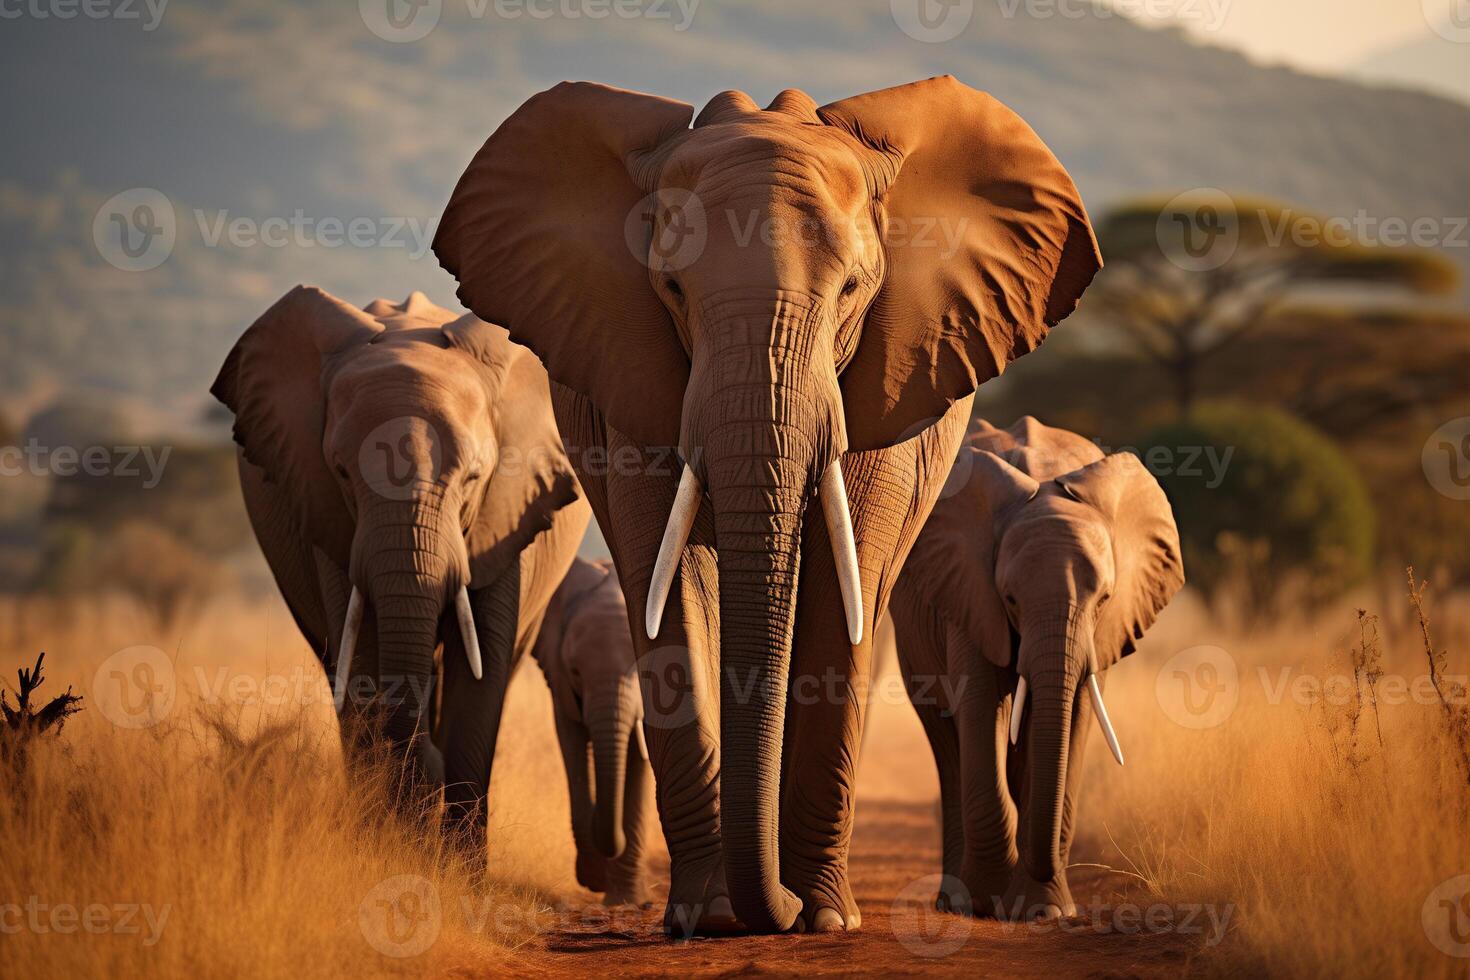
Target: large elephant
{"x": 586, "y": 652}
{"x": 406, "y": 482}
{"x": 800, "y": 302}
{"x": 1040, "y": 568}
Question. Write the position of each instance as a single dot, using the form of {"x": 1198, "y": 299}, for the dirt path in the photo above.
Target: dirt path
{"x": 895, "y": 850}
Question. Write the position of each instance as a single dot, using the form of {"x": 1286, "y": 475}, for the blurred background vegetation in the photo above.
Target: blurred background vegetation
{"x": 1314, "y": 368}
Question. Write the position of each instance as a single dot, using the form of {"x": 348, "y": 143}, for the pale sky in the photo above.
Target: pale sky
{"x": 1321, "y": 35}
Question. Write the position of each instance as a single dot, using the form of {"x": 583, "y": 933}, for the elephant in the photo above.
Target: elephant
{"x": 405, "y": 479}
{"x": 741, "y": 316}
{"x": 1041, "y": 568}
{"x": 585, "y": 650}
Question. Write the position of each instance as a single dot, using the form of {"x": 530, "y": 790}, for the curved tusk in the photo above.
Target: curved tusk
{"x": 350, "y": 628}
{"x": 676, "y": 534}
{"x": 1102, "y": 717}
{"x": 1017, "y": 703}
{"x": 833, "y": 492}
{"x": 467, "y": 631}
{"x": 642, "y": 740}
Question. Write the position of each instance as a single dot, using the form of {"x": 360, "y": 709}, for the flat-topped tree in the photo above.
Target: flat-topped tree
{"x": 1189, "y": 276}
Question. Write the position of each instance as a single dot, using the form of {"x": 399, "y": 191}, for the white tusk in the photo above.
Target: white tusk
{"x": 676, "y": 534}
{"x": 350, "y": 628}
{"x": 467, "y": 631}
{"x": 844, "y": 549}
{"x": 1017, "y": 703}
{"x": 642, "y": 740}
{"x": 1102, "y": 717}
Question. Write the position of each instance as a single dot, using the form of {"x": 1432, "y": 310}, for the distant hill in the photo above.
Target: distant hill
{"x": 248, "y": 118}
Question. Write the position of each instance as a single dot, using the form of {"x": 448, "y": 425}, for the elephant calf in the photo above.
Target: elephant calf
{"x": 586, "y": 652}
{"x": 1042, "y": 566}
{"x": 407, "y": 484}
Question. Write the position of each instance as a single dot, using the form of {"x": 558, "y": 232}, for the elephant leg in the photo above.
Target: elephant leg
{"x": 627, "y": 882}
{"x": 1025, "y": 897}
{"x": 631, "y": 491}
{"x": 470, "y": 709}
{"x": 982, "y": 722}
{"x": 572, "y": 737}
{"x": 944, "y": 742}
{"x": 828, "y": 696}
{"x": 921, "y": 639}
{"x": 890, "y": 492}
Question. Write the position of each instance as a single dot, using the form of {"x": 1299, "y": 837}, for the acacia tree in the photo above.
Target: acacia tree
{"x": 1188, "y": 277}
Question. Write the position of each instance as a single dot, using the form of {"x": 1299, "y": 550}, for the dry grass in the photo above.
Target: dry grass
{"x": 226, "y": 838}
{"x": 1319, "y": 826}
{"x": 1322, "y": 824}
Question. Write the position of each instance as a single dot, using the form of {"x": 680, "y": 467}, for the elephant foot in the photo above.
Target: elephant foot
{"x": 828, "y": 906}
{"x": 1029, "y": 900}
{"x": 980, "y": 892}
{"x": 626, "y": 886}
{"x": 699, "y": 904}
{"x": 591, "y": 870}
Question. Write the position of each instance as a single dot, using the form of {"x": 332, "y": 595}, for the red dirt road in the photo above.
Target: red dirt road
{"x": 895, "y": 855}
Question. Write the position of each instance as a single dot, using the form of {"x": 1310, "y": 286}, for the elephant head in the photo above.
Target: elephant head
{"x": 1067, "y": 566}
{"x": 409, "y": 445}
{"x": 767, "y": 290}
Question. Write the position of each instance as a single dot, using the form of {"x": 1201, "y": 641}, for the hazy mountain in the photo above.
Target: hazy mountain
{"x": 251, "y": 110}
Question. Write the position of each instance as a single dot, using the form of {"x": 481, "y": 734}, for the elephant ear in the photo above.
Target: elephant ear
{"x": 274, "y": 382}
{"x": 1148, "y": 565}
{"x": 541, "y": 233}
{"x": 533, "y": 478}
{"x": 957, "y": 550}
{"x": 988, "y": 246}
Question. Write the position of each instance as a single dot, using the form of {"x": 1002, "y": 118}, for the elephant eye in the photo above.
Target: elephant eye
{"x": 850, "y": 287}
{"x": 675, "y": 290}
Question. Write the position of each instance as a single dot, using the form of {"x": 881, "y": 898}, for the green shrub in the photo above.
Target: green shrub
{"x": 1282, "y": 512}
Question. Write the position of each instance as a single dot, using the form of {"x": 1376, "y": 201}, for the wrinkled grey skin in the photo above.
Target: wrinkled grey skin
{"x": 1045, "y": 560}
{"x": 586, "y": 653}
{"x": 408, "y": 454}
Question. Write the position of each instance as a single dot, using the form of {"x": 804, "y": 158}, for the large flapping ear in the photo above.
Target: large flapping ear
{"x": 273, "y": 381}
{"x": 541, "y": 233}
{"x": 956, "y": 552}
{"x": 987, "y": 243}
{"x": 533, "y": 478}
{"x": 1146, "y": 553}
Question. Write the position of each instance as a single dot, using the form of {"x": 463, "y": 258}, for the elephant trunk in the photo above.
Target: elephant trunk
{"x": 769, "y": 433}
{"x": 1054, "y": 656}
{"x": 412, "y": 561}
{"x": 610, "y": 720}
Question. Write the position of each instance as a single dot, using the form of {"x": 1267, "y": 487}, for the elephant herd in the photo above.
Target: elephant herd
{"x": 709, "y": 324}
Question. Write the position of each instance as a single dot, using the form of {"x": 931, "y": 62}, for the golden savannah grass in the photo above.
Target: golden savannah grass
{"x": 1304, "y": 782}
{"x": 225, "y": 840}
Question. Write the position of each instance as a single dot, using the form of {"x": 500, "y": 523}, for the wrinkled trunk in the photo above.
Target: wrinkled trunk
{"x": 1056, "y": 662}
{"x": 410, "y": 568}
{"x": 610, "y": 719}
{"x": 766, "y": 429}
